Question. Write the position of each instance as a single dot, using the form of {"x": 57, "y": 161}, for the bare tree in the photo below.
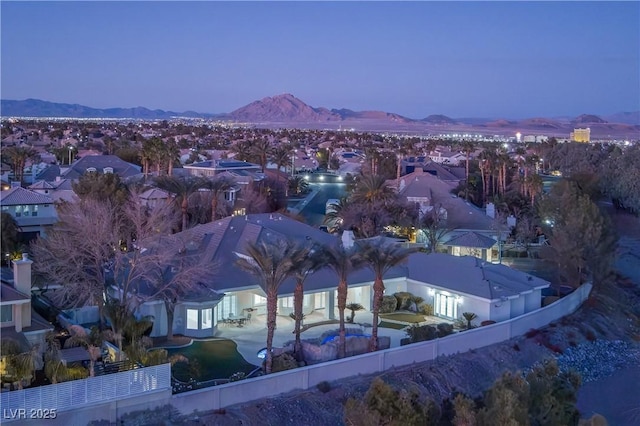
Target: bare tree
{"x": 128, "y": 250}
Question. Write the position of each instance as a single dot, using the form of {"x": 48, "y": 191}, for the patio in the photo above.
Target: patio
{"x": 252, "y": 336}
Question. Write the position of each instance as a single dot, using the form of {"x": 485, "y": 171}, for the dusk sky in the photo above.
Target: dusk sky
{"x": 494, "y": 59}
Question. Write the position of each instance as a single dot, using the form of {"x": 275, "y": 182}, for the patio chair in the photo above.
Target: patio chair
{"x": 248, "y": 319}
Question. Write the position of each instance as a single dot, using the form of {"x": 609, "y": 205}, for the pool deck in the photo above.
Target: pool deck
{"x": 253, "y": 337}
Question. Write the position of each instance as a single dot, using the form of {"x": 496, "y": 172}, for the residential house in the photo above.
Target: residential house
{"x": 411, "y": 164}
{"x": 458, "y": 217}
{"x": 452, "y": 284}
{"x": 444, "y": 156}
{"x": 18, "y": 321}
{"x": 211, "y": 168}
{"x": 33, "y": 212}
{"x": 101, "y": 164}
{"x": 59, "y": 189}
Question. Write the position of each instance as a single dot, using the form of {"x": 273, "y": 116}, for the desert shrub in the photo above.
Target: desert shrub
{"x": 460, "y": 324}
{"x": 590, "y": 335}
{"x": 426, "y": 309}
{"x": 324, "y": 386}
{"x": 388, "y": 305}
{"x": 444, "y": 329}
{"x": 421, "y": 333}
{"x": 516, "y": 347}
{"x": 284, "y": 362}
{"x": 385, "y": 405}
{"x": 404, "y": 299}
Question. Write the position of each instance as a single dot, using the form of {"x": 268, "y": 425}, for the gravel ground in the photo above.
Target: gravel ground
{"x": 597, "y": 360}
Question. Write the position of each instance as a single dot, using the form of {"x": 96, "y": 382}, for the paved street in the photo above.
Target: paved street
{"x": 314, "y": 211}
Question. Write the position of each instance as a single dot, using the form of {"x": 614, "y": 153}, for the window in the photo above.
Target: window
{"x": 34, "y": 211}
{"x": 206, "y": 319}
{"x": 6, "y": 313}
{"x": 18, "y": 211}
{"x": 287, "y": 302}
{"x": 227, "y": 306}
{"x": 319, "y": 301}
{"x": 192, "y": 319}
{"x": 259, "y": 300}
{"x": 446, "y": 306}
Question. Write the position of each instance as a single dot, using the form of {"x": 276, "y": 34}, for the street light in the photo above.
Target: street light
{"x": 70, "y": 150}
{"x": 293, "y": 161}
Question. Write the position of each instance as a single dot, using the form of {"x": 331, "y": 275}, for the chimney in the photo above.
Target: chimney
{"x": 347, "y": 239}
{"x": 22, "y": 283}
{"x": 491, "y": 210}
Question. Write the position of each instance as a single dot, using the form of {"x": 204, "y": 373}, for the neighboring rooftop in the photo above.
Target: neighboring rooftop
{"x": 18, "y": 196}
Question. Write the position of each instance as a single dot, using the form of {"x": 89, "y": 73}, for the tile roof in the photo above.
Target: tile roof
{"x": 460, "y": 214}
{"x": 471, "y": 239}
{"x": 10, "y": 294}
{"x": 120, "y": 167}
{"x": 21, "y": 196}
{"x": 470, "y": 275}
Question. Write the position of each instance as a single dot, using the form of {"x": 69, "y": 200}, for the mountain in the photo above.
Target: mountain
{"x": 540, "y": 123}
{"x": 625, "y": 118}
{"x": 287, "y": 108}
{"x": 588, "y": 119}
{"x": 283, "y": 108}
{"x": 39, "y": 108}
{"x": 438, "y": 119}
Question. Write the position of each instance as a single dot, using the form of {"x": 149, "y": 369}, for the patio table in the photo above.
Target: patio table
{"x": 238, "y": 320}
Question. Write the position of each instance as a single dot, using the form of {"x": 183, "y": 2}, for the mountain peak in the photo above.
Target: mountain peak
{"x": 282, "y": 108}
{"x": 588, "y": 119}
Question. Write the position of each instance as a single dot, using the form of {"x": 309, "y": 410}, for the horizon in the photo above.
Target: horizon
{"x": 598, "y": 114}
{"x": 463, "y": 60}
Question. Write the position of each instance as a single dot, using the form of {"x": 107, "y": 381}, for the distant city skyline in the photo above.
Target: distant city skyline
{"x": 460, "y": 59}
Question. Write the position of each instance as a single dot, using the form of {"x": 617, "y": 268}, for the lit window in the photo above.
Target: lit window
{"x": 287, "y": 302}
{"x": 259, "y": 300}
{"x": 192, "y": 319}
{"x": 206, "y": 318}
{"x": 319, "y": 301}
{"x": 34, "y": 212}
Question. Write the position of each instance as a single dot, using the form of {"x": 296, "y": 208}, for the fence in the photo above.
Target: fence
{"x": 376, "y": 362}
{"x": 93, "y": 390}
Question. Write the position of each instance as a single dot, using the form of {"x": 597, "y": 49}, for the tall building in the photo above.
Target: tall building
{"x": 580, "y": 135}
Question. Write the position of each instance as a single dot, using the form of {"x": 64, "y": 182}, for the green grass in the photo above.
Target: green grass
{"x": 393, "y": 325}
{"x": 215, "y": 359}
{"x": 401, "y": 316}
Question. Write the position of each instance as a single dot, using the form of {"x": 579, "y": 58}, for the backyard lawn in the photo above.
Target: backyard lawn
{"x": 210, "y": 359}
{"x": 404, "y": 317}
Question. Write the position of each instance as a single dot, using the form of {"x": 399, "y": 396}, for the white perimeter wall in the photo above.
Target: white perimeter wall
{"x": 376, "y": 362}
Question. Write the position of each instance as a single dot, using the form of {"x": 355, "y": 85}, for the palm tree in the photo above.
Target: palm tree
{"x": 343, "y": 261}
{"x": 183, "y": 188}
{"x": 281, "y": 157}
{"x": 18, "y": 155}
{"x": 118, "y": 316}
{"x": 218, "y": 185}
{"x": 270, "y": 262}
{"x": 23, "y": 365}
{"x": 243, "y": 151}
{"x": 381, "y": 255}
{"x": 469, "y": 316}
{"x": 261, "y": 149}
{"x": 311, "y": 258}
{"x": 371, "y": 188}
{"x": 353, "y": 307}
{"x": 467, "y": 148}
{"x": 297, "y": 185}
{"x": 92, "y": 342}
